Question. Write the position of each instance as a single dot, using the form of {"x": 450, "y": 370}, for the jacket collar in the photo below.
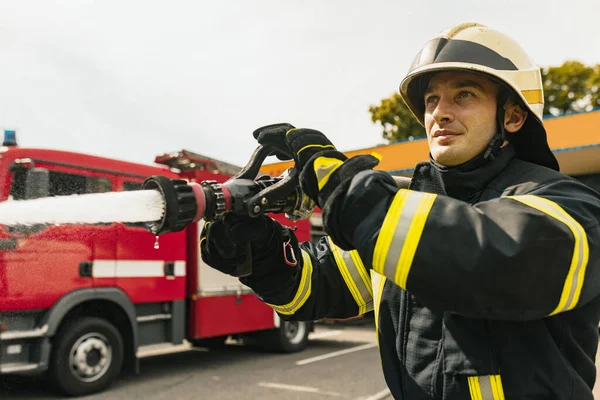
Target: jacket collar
{"x": 464, "y": 182}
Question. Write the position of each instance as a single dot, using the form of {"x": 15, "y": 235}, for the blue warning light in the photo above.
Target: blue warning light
{"x": 10, "y": 138}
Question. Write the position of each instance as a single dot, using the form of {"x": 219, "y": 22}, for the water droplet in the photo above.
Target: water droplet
{"x": 156, "y": 245}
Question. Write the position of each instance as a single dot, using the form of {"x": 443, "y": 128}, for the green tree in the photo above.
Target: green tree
{"x": 569, "y": 88}
{"x": 396, "y": 119}
{"x": 595, "y": 87}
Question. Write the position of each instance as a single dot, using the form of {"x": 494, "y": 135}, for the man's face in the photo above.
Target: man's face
{"x": 460, "y": 116}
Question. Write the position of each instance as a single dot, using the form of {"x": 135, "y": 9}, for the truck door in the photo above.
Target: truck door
{"x": 49, "y": 261}
{"x": 153, "y": 275}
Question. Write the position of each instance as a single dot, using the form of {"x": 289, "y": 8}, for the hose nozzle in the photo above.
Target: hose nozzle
{"x": 181, "y": 204}
{"x": 187, "y": 202}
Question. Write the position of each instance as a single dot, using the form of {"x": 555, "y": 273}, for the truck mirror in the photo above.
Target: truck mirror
{"x": 37, "y": 183}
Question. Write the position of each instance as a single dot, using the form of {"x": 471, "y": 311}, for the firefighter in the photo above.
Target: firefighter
{"x": 483, "y": 274}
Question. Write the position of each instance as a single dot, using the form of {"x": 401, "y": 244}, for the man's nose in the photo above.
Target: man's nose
{"x": 443, "y": 111}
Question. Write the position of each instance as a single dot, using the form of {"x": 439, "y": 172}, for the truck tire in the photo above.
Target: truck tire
{"x": 87, "y": 356}
{"x": 290, "y": 337}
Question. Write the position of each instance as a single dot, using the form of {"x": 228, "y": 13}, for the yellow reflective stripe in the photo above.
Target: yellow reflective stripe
{"x": 362, "y": 271}
{"x": 498, "y": 390}
{"x": 574, "y": 280}
{"x": 355, "y": 281}
{"x": 386, "y": 233}
{"x": 327, "y": 146}
{"x": 377, "y": 155}
{"x": 378, "y": 282}
{"x": 533, "y": 96}
{"x": 319, "y": 146}
{"x": 474, "y": 388}
{"x": 400, "y": 234}
{"x": 324, "y": 167}
{"x": 487, "y": 387}
{"x": 303, "y": 292}
{"x": 200, "y": 245}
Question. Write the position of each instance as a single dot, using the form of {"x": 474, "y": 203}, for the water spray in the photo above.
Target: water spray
{"x": 94, "y": 208}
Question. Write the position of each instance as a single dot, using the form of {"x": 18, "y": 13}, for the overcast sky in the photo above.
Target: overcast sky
{"x": 133, "y": 79}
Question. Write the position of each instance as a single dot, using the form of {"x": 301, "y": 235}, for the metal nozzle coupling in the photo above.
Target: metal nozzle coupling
{"x": 180, "y": 204}
{"x": 187, "y": 202}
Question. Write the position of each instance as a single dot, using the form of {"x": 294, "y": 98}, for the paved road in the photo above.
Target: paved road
{"x": 341, "y": 363}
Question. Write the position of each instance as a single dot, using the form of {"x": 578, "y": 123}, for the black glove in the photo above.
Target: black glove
{"x": 274, "y": 136}
{"x": 291, "y": 143}
{"x": 243, "y": 246}
{"x": 322, "y": 168}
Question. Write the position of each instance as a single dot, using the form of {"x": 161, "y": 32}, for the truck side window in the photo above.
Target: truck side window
{"x": 130, "y": 185}
{"x": 98, "y": 185}
{"x": 61, "y": 184}
{"x": 17, "y": 188}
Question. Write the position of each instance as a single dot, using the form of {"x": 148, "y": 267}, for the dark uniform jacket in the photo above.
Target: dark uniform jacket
{"x": 484, "y": 279}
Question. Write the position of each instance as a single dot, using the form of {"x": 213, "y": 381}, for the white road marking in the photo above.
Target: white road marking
{"x": 295, "y": 388}
{"x": 384, "y": 394}
{"x": 335, "y": 354}
{"x": 324, "y": 334}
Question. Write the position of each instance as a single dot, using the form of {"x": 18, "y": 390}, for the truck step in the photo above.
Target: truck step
{"x": 12, "y": 368}
{"x": 163, "y": 348}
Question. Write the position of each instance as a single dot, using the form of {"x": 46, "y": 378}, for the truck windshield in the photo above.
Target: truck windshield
{"x": 60, "y": 184}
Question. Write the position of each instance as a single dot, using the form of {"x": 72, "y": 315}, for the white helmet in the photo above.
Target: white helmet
{"x": 477, "y": 48}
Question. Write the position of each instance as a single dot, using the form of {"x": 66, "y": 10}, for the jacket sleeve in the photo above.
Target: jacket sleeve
{"x": 521, "y": 256}
{"x": 329, "y": 283}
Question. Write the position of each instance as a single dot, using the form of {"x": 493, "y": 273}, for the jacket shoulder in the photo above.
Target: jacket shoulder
{"x": 522, "y": 177}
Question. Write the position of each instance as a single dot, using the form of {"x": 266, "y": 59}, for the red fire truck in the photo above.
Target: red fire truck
{"x": 83, "y": 302}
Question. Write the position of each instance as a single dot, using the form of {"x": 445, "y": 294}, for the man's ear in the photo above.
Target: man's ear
{"x": 514, "y": 116}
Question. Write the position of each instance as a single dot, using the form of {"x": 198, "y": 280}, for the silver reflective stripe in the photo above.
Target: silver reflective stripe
{"x": 406, "y": 217}
{"x": 574, "y": 280}
{"x": 355, "y": 276}
{"x": 486, "y": 387}
{"x": 303, "y": 292}
{"x": 360, "y": 276}
{"x": 323, "y": 171}
{"x": 579, "y": 263}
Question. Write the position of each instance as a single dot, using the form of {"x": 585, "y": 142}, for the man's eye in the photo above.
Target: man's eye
{"x": 463, "y": 95}
{"x": 431, "y": 99}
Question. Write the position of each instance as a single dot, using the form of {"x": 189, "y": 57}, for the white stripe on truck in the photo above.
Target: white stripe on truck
{"x": 133, "y": 268}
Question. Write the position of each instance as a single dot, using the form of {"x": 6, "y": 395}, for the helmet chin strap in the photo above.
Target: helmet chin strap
{"x": 493, "y": 148}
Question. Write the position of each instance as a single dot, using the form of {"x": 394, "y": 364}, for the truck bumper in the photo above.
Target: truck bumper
{"x": 24, "y": 352}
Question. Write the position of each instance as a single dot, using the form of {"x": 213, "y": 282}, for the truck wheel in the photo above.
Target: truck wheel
{"x": 87, "y": 356}
{"x": 291, "y": 336}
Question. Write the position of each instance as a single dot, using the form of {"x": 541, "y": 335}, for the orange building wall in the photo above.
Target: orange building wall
{"x": 563, "y": 133}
